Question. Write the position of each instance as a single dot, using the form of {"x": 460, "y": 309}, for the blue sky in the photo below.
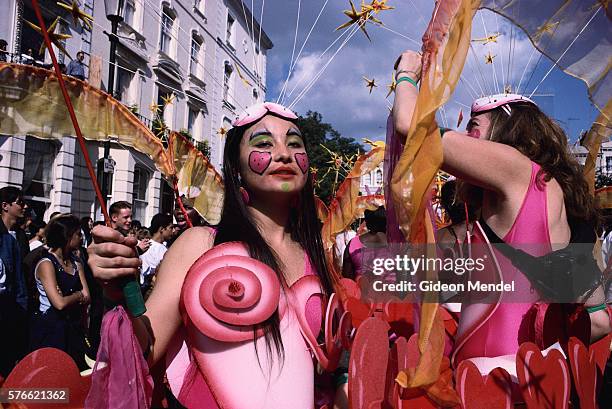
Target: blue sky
{"x": 340, "y": 94}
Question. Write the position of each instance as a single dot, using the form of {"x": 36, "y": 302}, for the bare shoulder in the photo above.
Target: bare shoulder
{"x": 163, "y": 303}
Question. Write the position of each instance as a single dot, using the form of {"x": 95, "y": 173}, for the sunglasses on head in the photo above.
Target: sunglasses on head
{"x": 19, "y": 202}
{"x": 255, "y": 112}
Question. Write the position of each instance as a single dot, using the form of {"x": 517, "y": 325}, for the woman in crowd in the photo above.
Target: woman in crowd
{"x": 530, "y": 190}
{"x": 376, "y": 237}
{"x": 269, "y": 206}
{"x": 37, "y": 234}
{"x": 62, "y": 291}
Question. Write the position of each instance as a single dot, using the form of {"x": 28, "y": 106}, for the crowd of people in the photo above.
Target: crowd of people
{"x": 47, "y": 291}
{"x": 514, "y": 173}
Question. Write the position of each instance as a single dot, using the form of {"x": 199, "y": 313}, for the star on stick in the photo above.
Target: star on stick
{"x": 486, "y": 40}
{"x": 55, "y": 38}
{"x": 359, "y": 17}
{"x": 489, "y": 58}
{"x": 370, "y": 83}
{"x": 392, "y": 85}
{"x": 77, "y": 14}
{"x": 222, "y": 131}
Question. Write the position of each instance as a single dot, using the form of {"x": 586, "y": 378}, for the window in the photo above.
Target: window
{"x": 379, "y": 177}
{"x": 255, "y": 94}
{"x": 195, "y": 56}
{"x": 165, "y": 110}
{"x": 141, "y": 185}
{"x": 192, "y": 117}
{"x": 609, "y": 164}
{"x": 165, "y": 38}
{"x": 38, "y": 174}
{"x": 122, "y": 90}
{"x": 230, "y": 29}
{"x": 129, "y": 10}
{"x": 227, "y": 77}
{"x": 199, "y": 5}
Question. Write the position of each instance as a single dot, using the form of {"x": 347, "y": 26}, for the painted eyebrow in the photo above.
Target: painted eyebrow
{"x": 260, "y": 133}
{"x": 294, "y": 131}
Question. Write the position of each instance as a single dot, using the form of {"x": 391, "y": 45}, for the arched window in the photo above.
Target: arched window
{"x": 379, "y": 178}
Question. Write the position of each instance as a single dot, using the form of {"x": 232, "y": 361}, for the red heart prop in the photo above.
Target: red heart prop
{"x": 483, "y": 392}
{"x": 600, "y": 351}
{"x": 50, "y": 368}
{"x": 545, "y": 381}
{"x": 368, "y": 364}
{"x": 584, "y": 370}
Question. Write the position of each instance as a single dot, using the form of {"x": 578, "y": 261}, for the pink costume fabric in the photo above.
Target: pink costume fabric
{"x": 120, "y": 378}
{"x": 355, "y": 253}
{"x": 207, "y": 373}
{"x": 490, "y": 330}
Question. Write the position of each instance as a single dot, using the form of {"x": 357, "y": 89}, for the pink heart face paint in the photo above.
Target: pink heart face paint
{"x": 301, "y": 159}
{"x": 474, "y": 133}
{"x": 259, "y": 161}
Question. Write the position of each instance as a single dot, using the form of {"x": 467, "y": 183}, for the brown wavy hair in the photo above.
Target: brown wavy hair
{"x": 543, "y": 141}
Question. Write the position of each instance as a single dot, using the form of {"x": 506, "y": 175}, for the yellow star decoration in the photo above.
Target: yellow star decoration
{"x": 489, "y": 58}
{"x": 546, "y": 28}
{"x": 155, "y": 108}
{"x": 377, "y": 6}
{"x": 222, "y": 131}
{"x": 370, "y": 83}
{"x": 77, "y": 14}
{"x": 168, "y": 100}
{"x": 55, "y": 38}
{"x": 392, "y": 85}
{"x": 364, "y": 15}
{"x": 486, "y": 40}
{"x": 163, "y": 129}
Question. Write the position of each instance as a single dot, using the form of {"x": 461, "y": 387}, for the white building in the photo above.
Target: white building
{"x": 603, "y": 164}
{"x": 372, "y": 183}
{"x": 199, "y": 53}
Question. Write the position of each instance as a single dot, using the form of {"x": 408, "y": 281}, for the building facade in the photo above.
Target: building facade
{"x": 196, "y": 64}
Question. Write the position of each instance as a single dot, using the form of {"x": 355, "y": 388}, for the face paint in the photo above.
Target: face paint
{"x": 302, "y": 160}
{"x": 259, "y": 161}
{"x": 285, "y": 187}
{"x": 474, "y": 133}
{"x": 259, "y": 139}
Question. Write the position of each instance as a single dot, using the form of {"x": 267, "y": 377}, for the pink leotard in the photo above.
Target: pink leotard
{"x": 354, "y": 249}
{"x": 489, "y": 330}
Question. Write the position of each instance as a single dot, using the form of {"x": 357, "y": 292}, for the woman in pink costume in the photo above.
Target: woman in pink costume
{"x": 249, "y": 312}
{"x": 518, "y": 168}
{"x": 376, "y": 237}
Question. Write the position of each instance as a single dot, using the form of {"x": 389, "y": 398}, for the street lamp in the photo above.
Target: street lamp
{"x": 114, "y": 13}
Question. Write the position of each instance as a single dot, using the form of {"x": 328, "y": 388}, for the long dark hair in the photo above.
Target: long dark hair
{"x": 237, "y": 225}
{"x": 539, "y": 138}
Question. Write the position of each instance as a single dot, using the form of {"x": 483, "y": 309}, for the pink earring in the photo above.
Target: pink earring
{"x": 245, "y": 196}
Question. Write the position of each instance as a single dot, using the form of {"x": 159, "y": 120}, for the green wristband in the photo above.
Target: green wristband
{"x": 407, "y": 79}
{"x": 596, "y": 308}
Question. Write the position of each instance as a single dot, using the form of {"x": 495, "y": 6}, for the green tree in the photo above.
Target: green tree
{"x": 317, "y": 133}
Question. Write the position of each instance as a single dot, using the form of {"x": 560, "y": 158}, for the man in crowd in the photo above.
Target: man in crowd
{"x": 162, "y": 231}
{"x": 13, "y": 294}
{"x": 76, "y": 68}
{"x": 121, "y": 220}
